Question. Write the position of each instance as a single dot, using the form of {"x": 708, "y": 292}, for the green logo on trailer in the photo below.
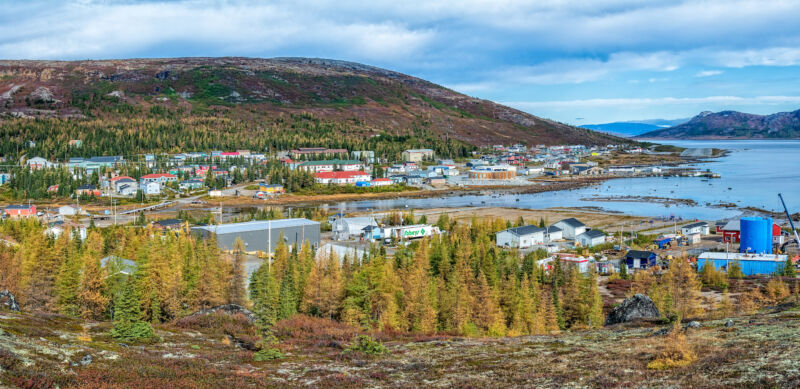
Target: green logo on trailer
{"x": 414, "y": 233}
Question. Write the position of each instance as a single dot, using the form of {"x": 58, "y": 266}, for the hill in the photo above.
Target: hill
{"x": 346, "y": 102}
{"x": 734, "y": 125}
{"x": 634, "y": 127}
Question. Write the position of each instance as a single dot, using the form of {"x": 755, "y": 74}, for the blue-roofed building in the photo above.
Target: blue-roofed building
{"x": 263, "y": 235}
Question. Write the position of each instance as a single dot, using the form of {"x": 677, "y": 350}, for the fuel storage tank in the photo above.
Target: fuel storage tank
{"x": 755, "y": 235}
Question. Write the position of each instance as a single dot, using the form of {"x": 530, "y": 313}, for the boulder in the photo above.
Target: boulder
{"x": 638, "y": 307}
{"x": 693, "y": 324}
{"x": 8, "y": 299}
{"x": 729, "y": 323}
{"x": 229, "y": 309}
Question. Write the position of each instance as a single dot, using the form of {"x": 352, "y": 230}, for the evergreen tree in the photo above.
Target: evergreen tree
{"x": 128, "y": 321}
{"x": 236, "y": 289}
{"x": 92, "y": 297}
{"x": 287, "y": 300}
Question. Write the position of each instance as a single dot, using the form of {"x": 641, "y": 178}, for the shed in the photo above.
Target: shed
{"x": 262, "y": 235}
{"x": 696, "y": 228}
{"x": 637, "y": 259}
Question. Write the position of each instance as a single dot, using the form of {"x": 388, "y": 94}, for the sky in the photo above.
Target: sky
{"x": 579, "y": 62}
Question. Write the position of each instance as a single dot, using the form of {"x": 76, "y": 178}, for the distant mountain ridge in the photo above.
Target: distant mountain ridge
{"x": 634, "y": 127}
{"x": 254, "y": 91}
{"x": 733, "y": 125}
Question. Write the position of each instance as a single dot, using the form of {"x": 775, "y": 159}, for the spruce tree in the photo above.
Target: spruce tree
{"x": 128, "y": 322}
{"x": 287, "y": 300}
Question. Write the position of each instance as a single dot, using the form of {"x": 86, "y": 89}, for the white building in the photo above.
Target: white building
{"x": 345, "y": 227}
{"x": 67, "y": 210}
{"x": 695, "y": 228}
{"x": 152, "y": 188}
{"x": 417, "y": 155}
{"x": 554, "y": 233}
{"x": 571, "y": 228}
{"x": 591, "y": 238}
{"x": 521, "y": 237}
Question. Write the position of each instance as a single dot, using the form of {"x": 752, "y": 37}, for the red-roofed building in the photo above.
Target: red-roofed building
{"x": 381, "y": 182}
{"x": 20, "y": 211}
{"x": 342, "y": 178}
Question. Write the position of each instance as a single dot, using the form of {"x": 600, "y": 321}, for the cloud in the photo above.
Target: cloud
{"x": 644, "y": 102}
{"x": 708, "y": 73}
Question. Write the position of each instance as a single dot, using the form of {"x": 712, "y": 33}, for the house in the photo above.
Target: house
{"x": 436, "y": 181}
{"x": 124, "y": 185}
{"x": 591, "y": 238}
{"x": 580, "y": 262}
{"x": 571, "y": 228}
{"x": 305, "y": 152}
{"x": 636, "y": 259}
{"x": 167, "y": 224}
{"x": 701, "y": 228}
{"x": 55, "y": 229}
{"x": 342, "y": 178}
{"x": 344, "y": 227}
{"x": 366, "y": 156}
{"x": 191, "y": 184}
{"x": 160, "y": 178}
{"x": 215, "y": 193}
{"x": 271, "y": 189}
{"x": 372, "y": 232}
{"x": 521, "y": 237}
{"x": 18, "y": 211}
{"x": 151, "y": 188}
{"x": 417, "y": 155}
{"x": 37, "y": 163}
{"x": 67, "y": 210}
{"x": 87, "y": 190}
{"x": 730, "y": 231}
{"x": 381, "y": 182}
{"x": 115, "y": 265}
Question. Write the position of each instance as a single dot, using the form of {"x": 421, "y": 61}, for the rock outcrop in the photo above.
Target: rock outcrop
{"x": 8, "y": 299}
{"x": 229, "y": 309}
{"x": 638, "y": 307}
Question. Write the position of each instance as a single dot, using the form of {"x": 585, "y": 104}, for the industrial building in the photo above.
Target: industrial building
{"x": 521, "y": 237}
{"x": 755, "y": 235}
{"x": 571, "y": 228}
{"x": 345, "y": 227}
{"x": 262, "y": 235}
{"x": 591, "y": 238}
{"x": 751, "y": 264}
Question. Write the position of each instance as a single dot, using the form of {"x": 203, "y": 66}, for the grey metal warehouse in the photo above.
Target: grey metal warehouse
{"x": 258, "y": 235}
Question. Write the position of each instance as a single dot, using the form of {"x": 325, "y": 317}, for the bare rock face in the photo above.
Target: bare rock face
{"x": 8, "y": 299}
{"x": 633, "y": 308}
{"x": 229, "y": 309}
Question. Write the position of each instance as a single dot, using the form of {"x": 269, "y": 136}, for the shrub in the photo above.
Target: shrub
{"x": 675, "y": 351}
{"x": 368, "y": 345}
{"x": 777, "y": 290}
{"x": 735, "y": 270}
{"x": 267, "y": 354}
{"x": 711, "y": 276}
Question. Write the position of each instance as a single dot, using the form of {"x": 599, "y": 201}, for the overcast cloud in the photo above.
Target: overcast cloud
{"x": 636, "y": 59}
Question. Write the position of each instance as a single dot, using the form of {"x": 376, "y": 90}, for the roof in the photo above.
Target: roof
{"x": 168, "y": 222}
{"x": 419, "y": 151}
{"x": 525, "y": 230}
{"x": 594, "y": 234}
{"x": 20, "y": 206}
{"x": 732, "y": 225}
{"x": 359, "y": 220}
{"x": 553, "y": 228}
{"x": 639, "y": 254}
{"x": 87, "y": 187}
{"x": 695, "y": 225}
{"x": 332, "y": 162}
{"x": 572, "y": 222}
{"x": 158, "y": 175}
{"x": 106, "y": 159}
{"x": 117, "y": 178}
{"x": 125, "y": 266}
{"x": 257, "y": 225}
{"x": 333, "y": 175}
{"x": 743, "y": 257}
{"x": 381, "y": 179}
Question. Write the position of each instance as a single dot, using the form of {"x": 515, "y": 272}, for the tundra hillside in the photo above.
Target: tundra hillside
{"x": 161, "y": 105}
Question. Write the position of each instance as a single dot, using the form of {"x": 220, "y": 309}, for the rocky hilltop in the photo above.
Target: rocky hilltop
{"x": 252, "y": 89}
{"x": 733, "y": 125}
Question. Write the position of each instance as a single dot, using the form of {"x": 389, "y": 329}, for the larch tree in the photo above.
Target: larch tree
{"x": 92, "y": 299}
{"x": 236, "y": 289}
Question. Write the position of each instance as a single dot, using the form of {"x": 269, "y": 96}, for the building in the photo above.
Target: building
{"x": 436, "y": 181}
{"x": 271, "y": 189}
{"x": 571, "y": 228}
{"x": 115, "y": 265}
{"x": 554, "y": 233}
{"x": 381, "y": 182}
{"x": 636, "y": 259}
{"x": 493, "y": 172}
{"x": 521, "y": 237}
{"x": 160, "y": 178}
{"x": 37, "y": 163}
{"x": 151, "y": 188}
{"x": 591, "y": 238}
{"x": 751, "y": 264}
{"x": 128, "y": 189}
{"x": 367, "y": 156}
{"x": 263, "y": 235}
{"x": 55, "y": 229}
{"x": 341, "y": 252}
{"x": 5, "y": 177}
{"x": 342, "y": 178}
{"x": 19, "y": 211}
{"x": 417, "y": 155}
{"x": 191, "y": 184}
{"x": 118, "y": 182}
{"x": 580, "y": 262}
{"x": 87, "y": 190}
{"x": 345, "y": 227}
{"x": 305, "y": 152}
{"x": 730, "y": 232}
{"x": 67, "y": 210}
{"x": 701, "y": 228}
